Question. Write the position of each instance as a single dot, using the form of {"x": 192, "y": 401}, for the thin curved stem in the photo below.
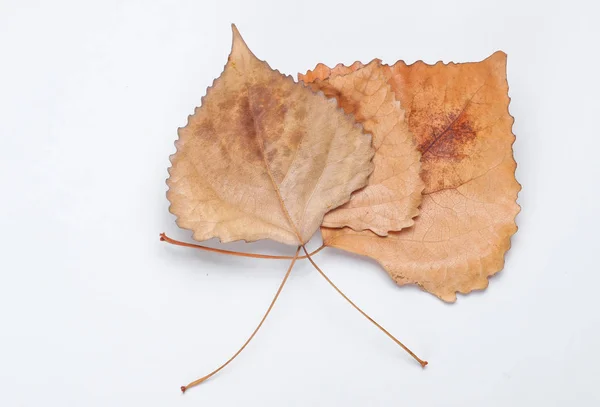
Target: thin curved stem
{"x": 392, "y": 337}
{"x": 165, "y": 238}
{"x": 287, "y": 274}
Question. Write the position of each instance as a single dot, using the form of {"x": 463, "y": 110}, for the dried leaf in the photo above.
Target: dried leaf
{"x": 392, "y": 197}
{"x": 322, "y": 72}
{"x": 264, "y": 157}
{"x": 459, "y": 116}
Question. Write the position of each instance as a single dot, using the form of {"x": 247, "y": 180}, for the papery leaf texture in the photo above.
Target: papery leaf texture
{"x": 392, "y": 196}
{"x": 323, "y": 72}
{"x": 459, "y": 116}
{"x": 264, "y": 157}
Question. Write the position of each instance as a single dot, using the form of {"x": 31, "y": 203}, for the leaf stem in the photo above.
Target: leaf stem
{"x": 165, "y": 238}
{"x": 392, "y": 337}
{"x": 287, "y": 274}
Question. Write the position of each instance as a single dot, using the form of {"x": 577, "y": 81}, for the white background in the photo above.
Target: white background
{"x": 95, "y": 311}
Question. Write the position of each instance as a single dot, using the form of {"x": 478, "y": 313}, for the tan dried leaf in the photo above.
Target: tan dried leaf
{"x": 322, "y": 72}
{"x": 393, "y": 194}
{"x": 459, "y": 116}
{"x": 264, "y": 157}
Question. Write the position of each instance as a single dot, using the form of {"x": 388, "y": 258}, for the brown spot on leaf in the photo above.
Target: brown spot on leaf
{"x": 248, "y": 146}
{"x": 286, "y": 151}
{"x": 450, "y": 142}
{"x": 271, "y": 155}
{"x": 296, "y": 138}
{"x": 226, "y": 104}
{"x": 206, "y": 128}
{"x": 300, "y": 113}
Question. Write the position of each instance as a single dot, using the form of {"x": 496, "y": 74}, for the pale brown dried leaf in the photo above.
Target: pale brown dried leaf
{"x": 264, "y": 157}
{"x": 393, "y": 194}
{"x": 459, "y": 115}
{"x": 322, "y": 71}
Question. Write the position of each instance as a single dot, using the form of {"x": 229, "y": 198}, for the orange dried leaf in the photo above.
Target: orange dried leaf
{"x": 391, "y": 199}
{"x": 264, "y": 157}
{"x": 459, "y": 116}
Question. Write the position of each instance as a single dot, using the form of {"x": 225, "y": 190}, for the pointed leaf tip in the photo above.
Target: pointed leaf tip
{"x": 235, "y": 31}
{"x": 238, "y": 45}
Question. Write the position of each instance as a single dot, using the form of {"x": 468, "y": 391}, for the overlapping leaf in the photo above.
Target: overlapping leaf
{"x": 323, "y": 72}
{"x": 391, "y": 199}
{"x": 459, "y": 116}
